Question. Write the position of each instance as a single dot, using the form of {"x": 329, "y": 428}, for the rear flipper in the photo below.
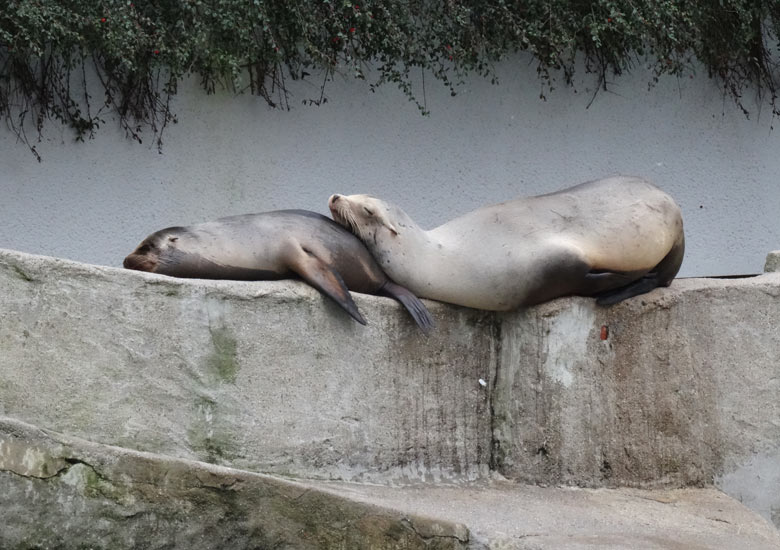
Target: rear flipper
{"x": 602, "y": 282}
{"x": 660, "y": 276}
{"x": 412, "y": 303}
{"x": 640, "y": 286}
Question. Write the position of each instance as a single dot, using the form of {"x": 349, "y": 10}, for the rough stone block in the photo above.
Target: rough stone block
{"x": 267, "y": 376}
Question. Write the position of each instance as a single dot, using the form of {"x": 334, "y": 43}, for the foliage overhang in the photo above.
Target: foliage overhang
{"x": 141, "y": 49}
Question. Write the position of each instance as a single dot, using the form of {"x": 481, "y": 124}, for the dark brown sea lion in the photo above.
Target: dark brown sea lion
{"x": 275, "y": 245}
{"x": 613, "y": 238}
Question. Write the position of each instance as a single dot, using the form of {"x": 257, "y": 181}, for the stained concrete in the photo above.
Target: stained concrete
{"x": 272, "y": 377}
{"x": 683, "y": 389}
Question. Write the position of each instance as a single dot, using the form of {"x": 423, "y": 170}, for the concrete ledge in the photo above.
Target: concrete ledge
{"x": 272, "y": 377}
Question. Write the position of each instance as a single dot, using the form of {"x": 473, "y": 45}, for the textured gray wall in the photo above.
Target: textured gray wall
{"x": 94, "y": 202}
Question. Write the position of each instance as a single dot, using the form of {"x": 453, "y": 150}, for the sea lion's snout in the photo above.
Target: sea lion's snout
{"x": 140, "y": 262}
{"x": 337, "y": 204}
{"x": 141, "y": 259}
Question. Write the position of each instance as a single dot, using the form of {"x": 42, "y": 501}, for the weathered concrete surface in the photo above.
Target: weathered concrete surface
{"x": 63, "y": 492}
{"x": 772, "y": 262}
{"x": 264, "y": 376}
{"x": 503, "y": 515}
{"x": 683, "y": 391}
{"x": 66, "y": 493}
{"x": 273, "y": 377}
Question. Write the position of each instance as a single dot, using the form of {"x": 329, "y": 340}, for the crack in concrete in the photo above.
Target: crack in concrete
{"x": 59, "y": 472}
{"x": 21, "y": 274}
{"x": 220, "y": 486}
{"x": 410, "y": 524}
{"x": 303, "y": 494}
{"x": 69, "y": 463}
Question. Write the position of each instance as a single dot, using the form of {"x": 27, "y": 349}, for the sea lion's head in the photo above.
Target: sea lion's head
{"x": 154, "y": 251}
{"x": 364, "y": 215}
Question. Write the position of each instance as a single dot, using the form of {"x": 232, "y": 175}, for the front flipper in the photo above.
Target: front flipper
{"x": 640, "y": 286}
{"x": 322, "y": 277}
{"x": 412, "y": 303}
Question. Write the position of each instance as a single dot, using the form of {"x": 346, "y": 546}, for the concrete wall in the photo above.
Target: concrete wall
{"x": 273, "y": 377}
{"x": 683, "y": 389}
{"x": 94, "y": 202}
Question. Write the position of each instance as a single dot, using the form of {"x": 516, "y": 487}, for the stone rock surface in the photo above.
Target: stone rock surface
{"x": 65, "y": 493}
{"x": 673, "y": 388}
{"x": 267, "y": 376}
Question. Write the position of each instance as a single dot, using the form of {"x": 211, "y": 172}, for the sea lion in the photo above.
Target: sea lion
{"x": 612, "y": 238}
{"x": 275, "y": 245}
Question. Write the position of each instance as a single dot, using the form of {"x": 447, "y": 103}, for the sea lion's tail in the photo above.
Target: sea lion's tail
{"x": 412, "y": 303}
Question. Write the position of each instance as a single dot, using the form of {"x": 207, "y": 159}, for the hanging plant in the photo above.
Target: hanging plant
{"x": 77, "y": 61}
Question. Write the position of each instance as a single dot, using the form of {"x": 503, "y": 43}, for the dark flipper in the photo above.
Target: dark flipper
{"x": 660, "y": 275}
{"x": 322, "y": 277}
{"x": 412, "y": 303}
{"x": 601, "y": 282}
{"x": 640, "y": 286}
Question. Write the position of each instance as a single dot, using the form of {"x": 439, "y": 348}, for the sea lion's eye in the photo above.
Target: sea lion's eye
{"x": 173, "y": 239}
{"x": 368, "y": 211}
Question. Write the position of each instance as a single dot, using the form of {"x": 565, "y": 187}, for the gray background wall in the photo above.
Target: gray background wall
{"x": 94, "y": 202}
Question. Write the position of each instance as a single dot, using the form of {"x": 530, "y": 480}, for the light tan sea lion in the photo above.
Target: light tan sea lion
{"x": 612, "y": 238}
